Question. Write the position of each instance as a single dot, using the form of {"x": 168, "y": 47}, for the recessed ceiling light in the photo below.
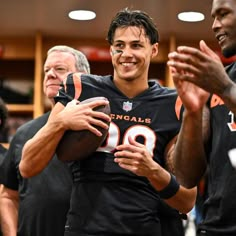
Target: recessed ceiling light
{"x": 191, "y": 16}
{"x": 82, "y": 15}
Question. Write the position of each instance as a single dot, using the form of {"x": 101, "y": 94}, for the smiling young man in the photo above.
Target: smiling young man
{"x": 118, "y": 189}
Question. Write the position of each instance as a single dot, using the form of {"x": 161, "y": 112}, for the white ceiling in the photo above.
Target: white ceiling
{"x": 25, "y": 17}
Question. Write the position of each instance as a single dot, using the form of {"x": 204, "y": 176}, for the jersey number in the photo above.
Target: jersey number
{"x": 232, "y": 124}
{"x": 113, "y": 137}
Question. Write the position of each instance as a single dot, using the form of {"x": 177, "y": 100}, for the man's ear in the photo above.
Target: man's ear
{"x": 111, "y": 51}
{"x": 154, "y": 49}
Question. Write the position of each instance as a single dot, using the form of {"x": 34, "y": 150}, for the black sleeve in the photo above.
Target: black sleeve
{"x": 9, "y": 167}
{"x": 70, "y": 89}
{"x": 61, "y": 96}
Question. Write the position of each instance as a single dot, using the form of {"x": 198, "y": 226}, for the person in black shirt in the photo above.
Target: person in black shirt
{"x": 38, "y": 206}
{"x": 3, "y": 120}
{"x": 208, "y": 133}
{"x": 118, "y": 189}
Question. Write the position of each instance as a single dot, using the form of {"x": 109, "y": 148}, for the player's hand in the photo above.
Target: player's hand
{"x": 193, "y": 97}
{"x": 76, "y": 116}
{"x": 201, "y": 67}
{"x": 135, "y": 158}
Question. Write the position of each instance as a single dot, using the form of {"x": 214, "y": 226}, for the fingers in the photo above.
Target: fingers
{"x": 98, "y": 115}
{"x": 187, "y": 63}
{"x": 132, "y": 151}
{"x": 92, "y": 112}
{"x": 96, "y": 131}
{"x": 97, "y": 123}
{"x": 127, "y": 159}
{"x": 182, "y": 70}
{"x": 132, "y": 146}
{"x": 134, "y": 157}
{"x": 78, "y": 116}
{"x": 97, "y": 103}
{"x": 204, "y": 48}
{"x": 87, "y": 109}
{"x": 93, "y": 120}
{"x": 189, "y": 55}
{"x": 135, "y": 143}
{"x": 180, "y": 63}
{"x": 184, "y": 59}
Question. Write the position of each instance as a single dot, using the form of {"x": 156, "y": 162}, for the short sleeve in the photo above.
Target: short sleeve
{"x": 70, "y": 89}
{"x": 9, "y": 167}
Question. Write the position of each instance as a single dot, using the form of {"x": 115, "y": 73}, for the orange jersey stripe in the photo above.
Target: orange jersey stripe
{"x": 178, "y": 105}
{"x": 77, "y": 84}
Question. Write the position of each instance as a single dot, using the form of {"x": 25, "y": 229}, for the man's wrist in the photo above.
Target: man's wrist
{"x": 171, "y": 189}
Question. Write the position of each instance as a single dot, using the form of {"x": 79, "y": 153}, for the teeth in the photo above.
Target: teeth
{"x": 127, "y": 64}
{"x": 221, "y": 37}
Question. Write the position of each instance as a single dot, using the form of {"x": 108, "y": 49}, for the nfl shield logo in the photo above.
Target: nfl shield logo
{"x": 127, "y": 106}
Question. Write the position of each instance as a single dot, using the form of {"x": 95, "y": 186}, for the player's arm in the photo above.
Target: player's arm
{"x": 220, "y": 83}
{"x": 189, "y": 157}
{"x": 203, "y": 68}
{"x": 66, "y": 115}
{"x": 8, "y": 211}
{"x": 229, "y": 97}
{"x": 175, "y": 195}
{"x": 39, "y": 150}
{"x": 179, "y": 199}
{"x": 136, "y": 158}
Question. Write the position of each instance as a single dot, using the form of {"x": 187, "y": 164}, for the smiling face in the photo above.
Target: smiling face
{"x": 224, "y": 25}
{"x": 134, "y": 60}
{"x": 57, "y": 66}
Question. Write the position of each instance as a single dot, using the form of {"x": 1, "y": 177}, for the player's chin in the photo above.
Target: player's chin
{"x": 128, "y": 76}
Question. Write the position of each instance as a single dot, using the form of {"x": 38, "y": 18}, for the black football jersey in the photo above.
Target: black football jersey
{"x": 220, "y": 206}
{"x": 116, "y": 201}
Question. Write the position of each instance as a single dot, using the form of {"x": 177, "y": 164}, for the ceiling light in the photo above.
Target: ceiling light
{"x": 82, "y": 15}
{"x": 191, "y": 16}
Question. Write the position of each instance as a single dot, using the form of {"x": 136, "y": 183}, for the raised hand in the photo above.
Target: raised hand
{"x": 201, "y": 67}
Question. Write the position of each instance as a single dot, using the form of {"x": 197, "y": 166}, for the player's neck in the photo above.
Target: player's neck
{"x": 131, "y": 88}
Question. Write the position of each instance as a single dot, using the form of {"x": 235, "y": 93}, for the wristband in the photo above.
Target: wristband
{"x": 171, "y": 189}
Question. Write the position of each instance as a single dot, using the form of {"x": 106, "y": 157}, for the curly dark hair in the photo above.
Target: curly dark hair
{"x": 3, "y": 114}
{"x": 127, "y": 17}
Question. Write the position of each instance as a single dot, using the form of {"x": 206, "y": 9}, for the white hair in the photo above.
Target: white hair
{"x": 82, "y": 64}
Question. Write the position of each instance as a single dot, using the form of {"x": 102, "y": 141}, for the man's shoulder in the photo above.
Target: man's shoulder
{"x": 28, "y": 129}
{"x": 92, "y": 78}
{"x": 231, "y": 70}
{"x": 98, "y": 84}
{"x": 3, "y": 151}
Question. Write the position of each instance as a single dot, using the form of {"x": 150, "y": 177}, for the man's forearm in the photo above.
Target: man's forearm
{"x": 160, "y": 180}
{"x": 229, "y": 97}
{"x": 38, "y": 151}
{"x": 189, "y": 154}
{"x": 8, "y": 214}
